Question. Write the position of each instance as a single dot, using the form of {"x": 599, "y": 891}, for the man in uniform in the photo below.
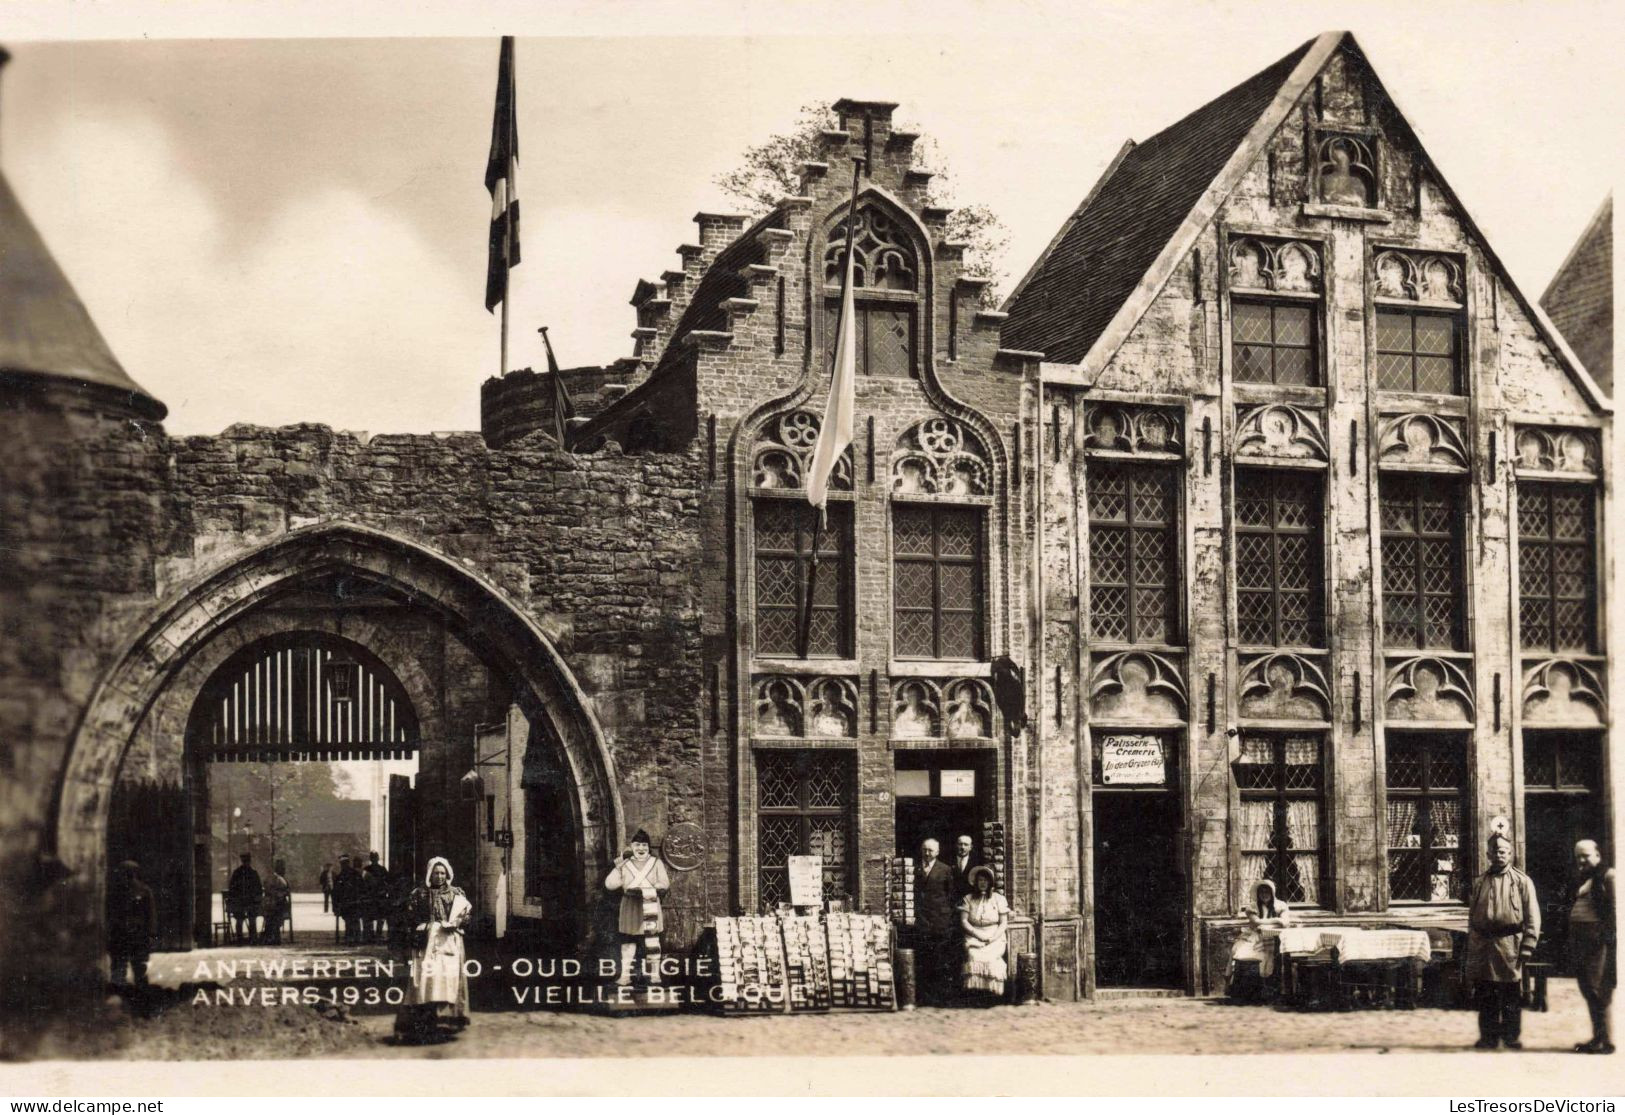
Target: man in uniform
{"x": 244, "y": 893}
{"x": 132, "y": 923}
{"x": 1591, "y": 942}
{"x": 936, "y": 950}
{"x": 1503, "y": 926}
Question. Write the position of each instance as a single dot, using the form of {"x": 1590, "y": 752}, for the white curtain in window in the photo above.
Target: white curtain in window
{"x": 1257, "y": 823}
{"x": 1302, "y": 752}
{"x": 1303, "y": 824}
{"x": 1308, "y": 867}
{"x": 1401, "y": 822}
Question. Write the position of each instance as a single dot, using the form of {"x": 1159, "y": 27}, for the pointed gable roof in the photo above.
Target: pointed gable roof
{"x": 46, "y": 333}
{"x": 1580, "y": 298}
{"x": 1066, "y": 302}
{"x": 1084, "y": 296}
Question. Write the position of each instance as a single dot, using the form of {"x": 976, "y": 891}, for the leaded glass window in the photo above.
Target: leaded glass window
{"x": 1273, "y": 342}
{"x": 936, "y": 581}
{"x": 1422, "y": 582}
{"x": 1426, "y": 778}
{"x": 1279, "y": 559}
{"x": 1133, "y": 553}
{"x": 804, "y": 805}
{"x": 1418, "y": 352}
{"x": 885, "y": 337}
{"x": 1557, "y": 567}
{"x": 1282, "y": 787}
{"x": 784, "y": 542}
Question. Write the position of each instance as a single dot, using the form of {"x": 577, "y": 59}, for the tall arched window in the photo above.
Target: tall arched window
{"x": 886, "y": 278}
{"x": 941, "y": 484}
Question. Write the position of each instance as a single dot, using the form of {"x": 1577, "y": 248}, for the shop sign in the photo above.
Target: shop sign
{"x": 913, "y": 783}
{"x": 959, "y": 783}
{"x": 1132, "y": 761}
{"x": 806, "y": 880}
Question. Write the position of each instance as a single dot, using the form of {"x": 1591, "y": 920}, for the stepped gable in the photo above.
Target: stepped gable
{"x": 46, "y": 334}
{"x": 1072, "y": 293}
{"x": 1580, "y": 297}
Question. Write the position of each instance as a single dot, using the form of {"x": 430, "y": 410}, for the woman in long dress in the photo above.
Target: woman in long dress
{"x": 1266, "y": 912}
{"x": 984, "y": 916}
{"x": 437, "y": 987}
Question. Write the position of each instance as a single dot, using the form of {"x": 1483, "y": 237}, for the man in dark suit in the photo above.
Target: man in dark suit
{"x": 936, "y": 926}
{"x": 965, "y": 858}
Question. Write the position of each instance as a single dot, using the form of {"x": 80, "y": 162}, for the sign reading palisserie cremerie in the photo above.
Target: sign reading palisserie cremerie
{"x": 1132, "y": 761}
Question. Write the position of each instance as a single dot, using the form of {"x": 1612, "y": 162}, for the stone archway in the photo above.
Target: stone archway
{"x": 478, "y": 612}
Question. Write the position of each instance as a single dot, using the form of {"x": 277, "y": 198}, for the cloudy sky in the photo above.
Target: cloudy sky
{"x": 277, "y": 229}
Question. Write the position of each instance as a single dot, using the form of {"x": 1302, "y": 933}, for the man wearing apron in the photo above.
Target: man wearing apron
{"x": 642, "y": 879}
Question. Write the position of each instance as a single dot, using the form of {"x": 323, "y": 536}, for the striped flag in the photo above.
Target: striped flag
{"x": 836, "y": 432}
{"x": 502, "y": 179}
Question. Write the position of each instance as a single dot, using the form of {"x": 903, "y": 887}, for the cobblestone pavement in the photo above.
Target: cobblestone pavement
{"x": 1132, "y": 1026}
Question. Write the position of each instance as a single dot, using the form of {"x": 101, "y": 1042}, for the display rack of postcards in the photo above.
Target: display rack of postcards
{"x": 993, "y": 850}
{"x": 900, "y": 890}
{"x": 860, "y": 958}
{"x": 750, "y": 965}
{"x": 806, "y": 961}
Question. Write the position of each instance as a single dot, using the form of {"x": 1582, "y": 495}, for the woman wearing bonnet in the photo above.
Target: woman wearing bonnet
{"x": 437, "y": 987}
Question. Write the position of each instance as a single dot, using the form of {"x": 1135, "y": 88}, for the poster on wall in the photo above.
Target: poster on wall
{"x": 1132, "y": 760}
{"x": 806, "y": 880}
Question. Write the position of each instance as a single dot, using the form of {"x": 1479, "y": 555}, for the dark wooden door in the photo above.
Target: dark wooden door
{"x": 1139, "y": 890}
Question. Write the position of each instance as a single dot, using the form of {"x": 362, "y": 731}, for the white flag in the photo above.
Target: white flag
{"x": 836, "y": 432}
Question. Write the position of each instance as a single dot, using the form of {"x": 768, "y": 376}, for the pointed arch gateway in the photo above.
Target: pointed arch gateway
{"x": 476, "y": 611}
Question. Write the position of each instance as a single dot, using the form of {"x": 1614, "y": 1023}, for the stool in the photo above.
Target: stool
{"x": 218, "y": 931}
{"x": 1533, "y": 981}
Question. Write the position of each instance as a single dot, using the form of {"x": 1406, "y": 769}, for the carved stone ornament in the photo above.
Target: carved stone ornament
{"x": 1283, "y": 686}
{"x": 793, "y": 708}
{"x": 1421, "y": 439}
{"x": 940, "y": 457}
{"x": 1136, "y": 685}
{"x": 1418, "y": 276}
{"x": 883, "y": 253}
{"x": 970, "y": 709}
{"x": 1553, "y": 450}
{"x": 684, "y": 846}
{"x": 1426, "y": 688}
{"x": 1346, "y": 170}
{"x": 916, "y": 710}
{"x": 1563, "y": 691}
{"x": 784, "y": 453}
{"x": 1129, "y": 429}
{"x": 1257, "y": 263}
{"x": 1280, "y": 430}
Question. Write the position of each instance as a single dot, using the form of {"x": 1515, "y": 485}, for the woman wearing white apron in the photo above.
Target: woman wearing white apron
{"x": 638, "y": 876}
{"x": 437, "y": 990}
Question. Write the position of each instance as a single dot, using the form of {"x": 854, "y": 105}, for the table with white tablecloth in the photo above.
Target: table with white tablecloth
{"x": 1402, "y": 952}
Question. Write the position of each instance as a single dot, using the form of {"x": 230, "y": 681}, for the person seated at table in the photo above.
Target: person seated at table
{"x": 1266, "y": 912}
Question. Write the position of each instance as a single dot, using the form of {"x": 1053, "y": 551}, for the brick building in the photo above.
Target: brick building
{"x": 1294, "y": 438}
{"x": 1323, "y": 522}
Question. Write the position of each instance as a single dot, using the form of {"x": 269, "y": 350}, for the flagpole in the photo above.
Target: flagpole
{"x": 858, "y": 166}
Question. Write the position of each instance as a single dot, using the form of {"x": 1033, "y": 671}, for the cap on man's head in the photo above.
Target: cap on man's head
{"x": 641, "y": 837}
{"x": 245, "y": 857}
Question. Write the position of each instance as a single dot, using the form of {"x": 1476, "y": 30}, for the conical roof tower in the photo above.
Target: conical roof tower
{"x": 47, "y": 339}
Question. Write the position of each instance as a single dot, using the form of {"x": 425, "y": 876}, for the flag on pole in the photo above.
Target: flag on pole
{"x": 502, "y": 179}
{"x": 836, "y": 432}
{"x": 563, "y": 409}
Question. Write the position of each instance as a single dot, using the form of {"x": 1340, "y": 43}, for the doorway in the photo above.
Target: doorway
{"x": 942, "y": 795}
{"x": 1562, "y": 805}
{"x": 1139, "y": 889}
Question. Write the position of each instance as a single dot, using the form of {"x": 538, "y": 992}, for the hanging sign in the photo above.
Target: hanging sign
{"x": 958, "y": 783}
{"x": 806, "y": 880}
{"x": 1132, "y": 761}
